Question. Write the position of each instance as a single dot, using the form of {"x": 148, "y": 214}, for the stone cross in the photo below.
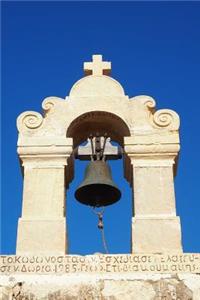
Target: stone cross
{"x": 97, "y": 67}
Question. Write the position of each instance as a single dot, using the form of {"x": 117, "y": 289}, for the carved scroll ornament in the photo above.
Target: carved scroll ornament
{"x": 166, "y": 118}
{"x": 163, "y": 118}
{"x": 50, "y": 102}
{"x": 29, "y": 120}
{"x": 147, "y": 101}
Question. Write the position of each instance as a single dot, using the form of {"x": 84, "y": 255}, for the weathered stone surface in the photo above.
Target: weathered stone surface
{"x": 127, "y": 290}
{"x": 148, "y": 229}
{"x": 140, "y": 287}
{"x": 40, "y": 230}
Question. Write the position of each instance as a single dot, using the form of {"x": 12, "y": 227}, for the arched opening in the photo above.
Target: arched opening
{"x": 84, "y": 235}
{"x": 97, "y": 121}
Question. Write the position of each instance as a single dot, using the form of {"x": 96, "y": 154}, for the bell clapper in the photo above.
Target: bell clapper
{"x": 100, "y": 224}
{"x": 101, "y": 227}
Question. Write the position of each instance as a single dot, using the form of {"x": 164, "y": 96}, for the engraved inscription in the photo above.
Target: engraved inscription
{"x": 101, "y": 264}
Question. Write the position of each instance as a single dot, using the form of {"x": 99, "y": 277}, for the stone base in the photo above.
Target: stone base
{"x": 156, "y": 235}
{"x": 101, "y": 277}
{"x": 36, "y": 236}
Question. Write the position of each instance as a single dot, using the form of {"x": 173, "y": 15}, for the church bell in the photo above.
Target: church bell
{"x": 98, "y": 188}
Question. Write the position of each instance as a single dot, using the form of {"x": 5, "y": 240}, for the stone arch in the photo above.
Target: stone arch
{"x": 97, "y": 121}
{"x": 101, "y": 122}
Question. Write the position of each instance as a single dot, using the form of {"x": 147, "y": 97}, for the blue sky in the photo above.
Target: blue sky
{"x": 154, "y": 49}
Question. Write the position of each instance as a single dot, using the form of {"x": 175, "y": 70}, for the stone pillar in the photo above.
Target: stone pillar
{"x": 155, "y": 226}
{"x": 42, "y": 226}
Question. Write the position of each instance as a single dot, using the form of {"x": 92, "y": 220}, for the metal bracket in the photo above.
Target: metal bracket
{"x": 86, "y": 152}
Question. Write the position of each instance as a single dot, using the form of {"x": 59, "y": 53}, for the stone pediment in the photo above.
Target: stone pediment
{"x": 95, "y": 101}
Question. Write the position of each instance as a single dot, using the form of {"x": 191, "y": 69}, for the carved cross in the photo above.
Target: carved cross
{"x": 97, "y": 67}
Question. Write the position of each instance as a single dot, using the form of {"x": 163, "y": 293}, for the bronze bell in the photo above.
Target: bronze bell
{"x": 97, "y": 188}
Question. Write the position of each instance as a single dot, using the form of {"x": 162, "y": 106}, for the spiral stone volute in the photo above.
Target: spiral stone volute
{"x": 49, "y": 103}
{"x": 166, "y": 118}
{"x": 29, "y": 120}
{"x": 147, "y": 101}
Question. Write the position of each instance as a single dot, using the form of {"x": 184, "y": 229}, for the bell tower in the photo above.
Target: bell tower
{"x": 48, "y": 143}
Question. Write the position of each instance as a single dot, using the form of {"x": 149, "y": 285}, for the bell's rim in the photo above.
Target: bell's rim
{"x": 87, "y": 195}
